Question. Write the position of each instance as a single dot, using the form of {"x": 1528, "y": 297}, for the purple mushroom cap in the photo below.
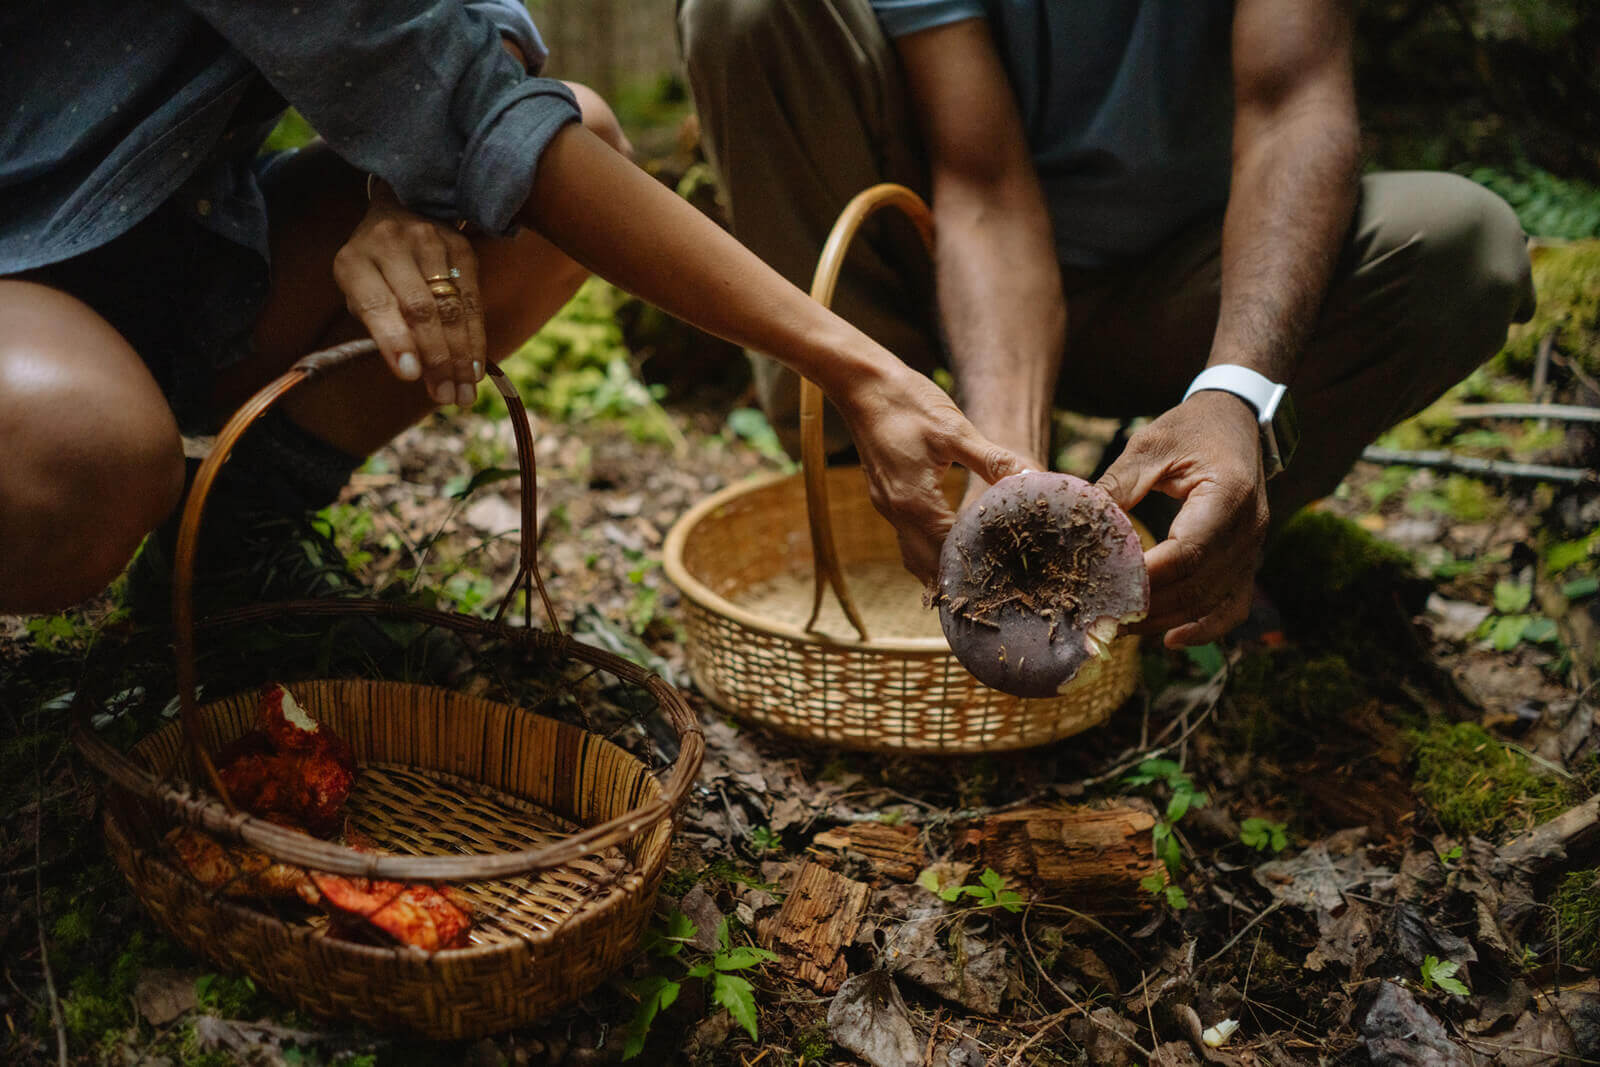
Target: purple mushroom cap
{"x": 1035, "y": 580}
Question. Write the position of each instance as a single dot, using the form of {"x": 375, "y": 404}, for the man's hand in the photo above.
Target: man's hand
{"x": 908, "y": 432}
{"x": 390, "y": 272}
{"x": 1207, "y": 453}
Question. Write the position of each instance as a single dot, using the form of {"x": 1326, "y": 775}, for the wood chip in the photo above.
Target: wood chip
{"x": 894, "y": 853}
{"x": 1090, "y": 858}
{"x": 818, "y": 918}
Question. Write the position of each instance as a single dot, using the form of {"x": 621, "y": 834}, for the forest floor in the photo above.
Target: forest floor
{"x": 1376, "y": 819}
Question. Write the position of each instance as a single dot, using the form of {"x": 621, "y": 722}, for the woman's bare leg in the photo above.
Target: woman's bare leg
{"x": 92, "y": 455}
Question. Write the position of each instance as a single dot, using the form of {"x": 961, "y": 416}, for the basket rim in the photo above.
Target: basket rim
{"x": 693, "y": 589}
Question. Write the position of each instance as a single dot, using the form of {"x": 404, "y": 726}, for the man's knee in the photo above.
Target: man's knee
{"x": 718, "y": 33}
{"x": 1473, "y": 276}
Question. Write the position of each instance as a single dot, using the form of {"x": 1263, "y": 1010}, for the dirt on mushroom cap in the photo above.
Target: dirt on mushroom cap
{"x": 1036, "y": 578}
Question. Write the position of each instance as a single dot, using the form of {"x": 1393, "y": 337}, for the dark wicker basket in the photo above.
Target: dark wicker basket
{"x": 558, "y": 836}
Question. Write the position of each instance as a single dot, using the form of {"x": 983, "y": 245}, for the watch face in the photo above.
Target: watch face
{"x": 1280, "y": 434}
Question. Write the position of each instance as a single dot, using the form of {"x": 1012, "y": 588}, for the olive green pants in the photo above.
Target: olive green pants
{"x": 802, "y": 105}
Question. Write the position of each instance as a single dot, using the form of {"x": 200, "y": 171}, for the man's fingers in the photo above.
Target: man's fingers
{"x": 1131, "y": 476}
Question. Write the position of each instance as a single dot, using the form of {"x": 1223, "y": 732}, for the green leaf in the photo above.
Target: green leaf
{"x": 1178, "y": 806}
{"x": 1010, "y": 900}
{"x": 1507, "y": 632}
{"x": 1540, "y": 630}
{"x": 928, "y": 880}
{"x": 487, "y": 476}
{"x": 1154, "y": 770}
{"x": 702, "y": 969}
{"x": 1175, "y": 898}
{"x": 655, "y": 994}
{"x": 1441, "y": 973}
{"x": 723, "y": 940}
{"x": 1511, "y": 597}
{"x": 992, "y": 879}
{"x": 1153, "y": 883}
{"x": 1207, "y": 657}
{"x": 1581, "y": 587}
{"x": 738, "y": 996}
{"x": 737, "y": 959}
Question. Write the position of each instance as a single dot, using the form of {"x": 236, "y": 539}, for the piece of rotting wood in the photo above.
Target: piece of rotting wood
{"x": 1091, "y": 859}
{"x": 1548, "y": 844}
{"x": 818, "y": 919}
{"x": 893, "y": 852}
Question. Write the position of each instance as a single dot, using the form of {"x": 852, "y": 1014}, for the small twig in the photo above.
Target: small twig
{"x": 1559, "y": 412}
{"x": 1234, "y": 940}
{"x": 1488, "y": 468}
{"x": 1150, "y": 1016}
{"x": 38, "y": 915}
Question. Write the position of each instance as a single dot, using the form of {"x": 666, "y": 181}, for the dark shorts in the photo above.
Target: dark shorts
{"x": 185, "y": 298}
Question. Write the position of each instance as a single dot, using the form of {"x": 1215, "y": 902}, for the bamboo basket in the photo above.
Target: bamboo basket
{"x": 870, "y": 668}
{"x": 558, "y": 836}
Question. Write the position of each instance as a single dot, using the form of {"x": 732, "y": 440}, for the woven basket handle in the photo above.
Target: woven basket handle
{"x": 312, "y": 366}
{"x": 813, "y": 458}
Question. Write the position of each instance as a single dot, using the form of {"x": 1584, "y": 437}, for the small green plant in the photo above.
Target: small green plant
{"x": 1264, "y": 835}
{"x": 1450, "y": 856}
{"x": 1513, "y": 623}
{"x": 990, "y": 892}
{"x": 1165, "y": 891}
{"x": 1184, "y": 796}
{"x": 1441, "y": 974}
{"x": 764, "y": 839}
{"x": 657, "y": 992}
{"x": 751, "y": 426}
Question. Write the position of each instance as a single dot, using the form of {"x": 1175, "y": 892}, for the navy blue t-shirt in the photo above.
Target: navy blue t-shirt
{"x": 1127, "y": 106}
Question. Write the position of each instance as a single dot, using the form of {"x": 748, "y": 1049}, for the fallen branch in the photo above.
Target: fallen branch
{"x": 1560, "y": 412}
{"x": 1487, "y": 468}
{"x": 1549, "y": 843}
{"x": 56, "y": 1018}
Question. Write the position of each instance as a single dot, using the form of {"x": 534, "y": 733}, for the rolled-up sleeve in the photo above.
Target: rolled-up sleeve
{"x": 901, "y": 18}
{"x": 419, "y": 92}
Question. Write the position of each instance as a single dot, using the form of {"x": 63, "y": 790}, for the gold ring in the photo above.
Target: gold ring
{"x": 443, "y": 290}
{"x": 451, "y": 275}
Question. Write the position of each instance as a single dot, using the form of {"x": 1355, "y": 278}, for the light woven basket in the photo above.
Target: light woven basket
{"x": 869, "y": 669}
{"x": 558, "y": 836}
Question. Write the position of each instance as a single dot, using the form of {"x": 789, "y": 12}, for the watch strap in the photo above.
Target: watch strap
{"x": 1257, "y": 390}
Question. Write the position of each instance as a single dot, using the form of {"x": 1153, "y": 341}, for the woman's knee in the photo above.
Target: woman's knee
{"x": 93, "y": 456}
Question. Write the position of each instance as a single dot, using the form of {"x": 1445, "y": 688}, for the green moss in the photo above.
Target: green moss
{"x": 1576, "y": 919}
{"x": 1273, "y": 689}
{"x": 1319, "y": 554}
{"x": 812, "y": 1044}
{"x": 1474, "y": 784}
{"x": 1567, "y": 278}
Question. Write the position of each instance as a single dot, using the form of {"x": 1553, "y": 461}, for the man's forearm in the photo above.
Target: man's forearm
{"x": 1002, "y": 310}
{"x": 1289, "y": 211}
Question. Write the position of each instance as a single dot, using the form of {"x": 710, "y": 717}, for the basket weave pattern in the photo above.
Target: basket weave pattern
{"x": 442, "y": 773}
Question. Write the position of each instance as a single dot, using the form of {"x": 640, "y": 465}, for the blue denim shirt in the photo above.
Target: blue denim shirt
{"x": 112, "y": 107}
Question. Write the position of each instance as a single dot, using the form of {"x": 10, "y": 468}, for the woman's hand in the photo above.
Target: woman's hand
{"x": 1207, "y": 453}
{"x": 413, "y": 283}
{"x": 908, "y": 432}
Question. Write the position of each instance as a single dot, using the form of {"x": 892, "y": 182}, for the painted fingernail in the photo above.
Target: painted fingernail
{"x": 408, "y": 366}
{"x": 477, "y": 371}
{"x": 465, "y": 394}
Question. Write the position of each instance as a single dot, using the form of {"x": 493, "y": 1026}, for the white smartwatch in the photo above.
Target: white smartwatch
{"x": 1280, "y": 430}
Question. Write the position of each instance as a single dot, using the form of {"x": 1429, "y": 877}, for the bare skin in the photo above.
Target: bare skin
{"x": 1293, "y": 197}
